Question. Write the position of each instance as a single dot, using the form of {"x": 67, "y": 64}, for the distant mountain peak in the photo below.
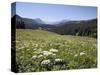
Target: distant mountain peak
{"x": 38, "y": 20}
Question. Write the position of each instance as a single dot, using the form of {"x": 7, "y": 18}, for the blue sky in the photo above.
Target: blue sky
{"x": 55, "y": 12}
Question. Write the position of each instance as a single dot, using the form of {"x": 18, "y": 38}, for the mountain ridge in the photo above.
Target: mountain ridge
{"x": 82, "y": 28}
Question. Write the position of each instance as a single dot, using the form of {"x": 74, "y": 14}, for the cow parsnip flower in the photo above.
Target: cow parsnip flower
{"x": 53, "y": 50}
{"x": 82, "y": 53}
{"x": 46, "y": 53}
{"x": 45, "y": 62}
{"x": 58, "y": 60}
{"x": 34, "y": 57}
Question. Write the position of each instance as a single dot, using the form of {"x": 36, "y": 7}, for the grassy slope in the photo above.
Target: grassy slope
{"x": 31, "y": 42}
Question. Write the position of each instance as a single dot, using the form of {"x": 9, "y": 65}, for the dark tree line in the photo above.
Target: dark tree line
{"x": 82, "y": 28}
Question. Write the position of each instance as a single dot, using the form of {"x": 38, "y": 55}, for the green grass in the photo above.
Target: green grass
{"x": 38, "y": 50}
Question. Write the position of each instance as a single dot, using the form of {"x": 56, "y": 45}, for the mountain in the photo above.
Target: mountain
{"x": 38, "y": 20}
{"x": 64, "y": 27}
{"x": 26, "y": 23}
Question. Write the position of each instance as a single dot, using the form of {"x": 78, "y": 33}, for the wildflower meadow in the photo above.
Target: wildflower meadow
{"x": 39, "y": 50}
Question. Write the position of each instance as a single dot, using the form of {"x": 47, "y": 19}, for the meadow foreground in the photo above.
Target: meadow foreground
{"x": 38, "y": 50}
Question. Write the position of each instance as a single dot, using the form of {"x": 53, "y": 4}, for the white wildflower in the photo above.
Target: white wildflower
{"x": 47, "y": 53}
{"x": 53, "y": 54}
{"x": 36, "y": 45}
{"x": 82, "y": 53}
{"x": 53, "y": 50}
{"x": 34, "y": 57}
{"x": 58, "y": 60}
{"x": 75, "y": 55}
{"x": 40, "y": 56}
{"x": 45, "y": 62}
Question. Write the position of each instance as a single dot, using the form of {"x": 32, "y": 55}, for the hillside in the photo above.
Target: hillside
{"x": 81, "y": 28}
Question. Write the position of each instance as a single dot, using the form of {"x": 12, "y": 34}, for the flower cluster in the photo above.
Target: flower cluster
{"x": 46, "y": 53}
{"x": 45, "y": 62}
{"x": 58, "y": 60}
{"x": 53, "y": 50}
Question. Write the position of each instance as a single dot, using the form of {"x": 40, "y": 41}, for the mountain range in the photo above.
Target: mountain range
{"x": 64, "y": 27}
